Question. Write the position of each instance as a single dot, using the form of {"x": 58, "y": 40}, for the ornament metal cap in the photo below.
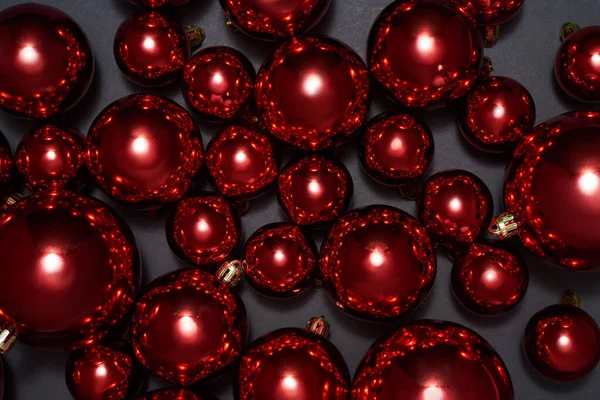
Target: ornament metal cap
{"x": 490, "y": 35}
{"x": 231, "y": 272}
{"x": 571, "y": 298}
{"x": 8, "y": 338}
{"x": 318, "y": 326}
{"x": 567, "y": 29}
{"x": 195, "y": 35}
{"x": 504, "y": 226}
{"x": 10, "y": 200}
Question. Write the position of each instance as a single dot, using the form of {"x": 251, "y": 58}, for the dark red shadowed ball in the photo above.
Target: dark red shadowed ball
{"x": 1, "y": 380}
{"x": 314, "y": 191}
{"x": 313, "y": 92}
{"x": 174, "y": 394}
{"x": 158, "y": 3}
{"x": 281, "y": 260}
{"x": 144, "y": 150}
{"x": 491, "y": 12}
{"x": 378, "y": 263}
{"x": 7, "y": 168}
{"x": 425, "y": 53}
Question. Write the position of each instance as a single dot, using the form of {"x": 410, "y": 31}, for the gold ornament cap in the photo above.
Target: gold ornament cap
{"x": 490, "y": 35}
{"x": 568, "y": 29}
{"x": 195, "y": 35}
{"x": 504, "y": 226}
{"x": 571, "y": 298}
{"x": 8, "y": 338}
{"x": 231, "y": 272}
{"x": 318, "y": 326}
{"x": 11, "y": 200}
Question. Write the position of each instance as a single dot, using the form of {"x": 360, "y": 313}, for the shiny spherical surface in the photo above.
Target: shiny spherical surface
{"x": 204, "y": 231}
{"x": 378, "y": 263}
{"x": 489, "y": 279}
{"x": 491, "y": 12}
{"x": 426, "y": 360}
{"x": 218, "y": 83}
{"x": 553, "y": 185}
{"x": 144, "y": 150}
{"x": 425, "y": 52}
{"x": 47, "y": 62}
{"x": 52, "y": 157}
{"x": 241, "y": 162}
{"x": 280, "y": 260}
{"x": 70, "y": 269}
{"x": 158, "y": 3}
{"x": 562, "y": 343}
{"x": 292, "y": 364}
{"x": 268, "y": 20}
{"x": 313, "y": 92}
{"x": 496, "y": 114}
{"x": 7, "y": 168}
{"x": 314, "y": 191}
{"x": 188, "y": 327}
{"x": 173, "y": 394}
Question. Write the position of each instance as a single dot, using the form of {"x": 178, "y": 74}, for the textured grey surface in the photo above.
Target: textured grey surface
{"x": 525, "y": 52}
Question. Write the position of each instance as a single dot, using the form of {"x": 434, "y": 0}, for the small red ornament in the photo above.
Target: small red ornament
{"x": 562, "y": 342}
{"x": 491, "y": 12}
{"x": 173, "y": 394}
{"x": 204, "y": 231}
{"x": 241, "y": 162}
{"x": 314, "y": 191}
{"x": 378, "y": 263}
{"x": 313, "y": 92}
{"x": 280, "y": 260}
{"x": 7, "y": 168}
{"x": 47, "y": 62}
{"x": 552, "y": 192}
{"x": 293, "y": 364}
{"x": 190, "y": 325}
{"x": 70, "y": 269}
{"x": 218, "y": 83}
{"x": 427, "y": 359}
{"x": 264, "y": 19}
{"x": 489, "y": 279}
{"x": 144, "y": 150}
{"x": 52, "y": 157}
{"x": 425, "y": 54}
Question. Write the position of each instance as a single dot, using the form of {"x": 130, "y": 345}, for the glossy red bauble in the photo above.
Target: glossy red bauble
{"x": 378, "y": 263}
{"x": 314, "y": 191}
{"x": 7, "y": 168}
{"x": 158, "y": 3}
{"x": 280, "y": 259}
{"x": 426, "y": 360}
{"x": 1, "y": 380}
{"x": 173, "y": 394}
{"x": 313, "y": 92}
{"x": 144, "y": 150}
{"x": 491, "y": 12}
{"x": 46, "y": 61}
{"x": 425, "y": 53}
{"x": 70, "y": 270}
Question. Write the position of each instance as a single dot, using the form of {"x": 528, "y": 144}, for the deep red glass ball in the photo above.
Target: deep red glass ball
{"x": 313, "y": 92}
{"x": 268, "y": 20}
{"x": 314, "y": 191}
{"x": 491, "y": 12}
{"x": 173, "y": 394}
{"x": 432, "y": 360}
{"x": 144, "y": 150}
{"x": 188, "y": 327}
{"x": 378, "y": 263}
{"x": 281, "y": 260}
{"x": 562, "y": 343}
{"x": 46, "y": 61}
{"x": 204, "y": 231}
{"x": 7, "y": 168}
{"x": 218, "y": 83}
{"x": 425, "y": 53}
{"x": 241, "y": 162}
{"x": 70, "y": 269}
{"x": 158, "y": 3}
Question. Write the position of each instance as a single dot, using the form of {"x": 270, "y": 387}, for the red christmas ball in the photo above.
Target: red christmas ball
{"x": 204, "y": 231}
{"x": 264, "y": 19}
{"x": 314, "y": 191}
{"x": 378, "y": 263}
{"x": 425, "y": 54}
{"x": 218, "y": 83}
{"x": 489, "y": 279}
{"x": 158, "y": 3}
{"x": 70, "y": 270}
{"x": 7, "y": 168}
{"x": 241, "y": 162}
{"x": 47, "y": 62}
{"x": 496, "y": 114}
{"x": 313, "y": 92}
{"x": 173, "y": 394}
{"x": 432, "y": 360}
{"x": 280, "y": 260}
{"x": 52, "y": 157}
{"x": 190, "y": 326}
{"x": 144, "y": 150}
{"x": 491, "y": 12}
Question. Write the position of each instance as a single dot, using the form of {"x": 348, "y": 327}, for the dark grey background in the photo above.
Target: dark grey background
{"x": 525, "y": 52}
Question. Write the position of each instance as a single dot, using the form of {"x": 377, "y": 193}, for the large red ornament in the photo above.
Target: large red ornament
{"x": 173, "y": 394}
{"x": 46, "y": 63}
{"x": 293, "y": 364}
{"x": 314, "y": 191}
{"x": 426, "y": 359}
{"x": 280, "y": 260}
{"x": 70, "y": 270}
{"x": 7, "y": 168}
{"x": 144, "y": 150}
{"x": 552, "y": 192}
{"x": 426, "y": 52}
{"x": 158, "y": 3}
{"x": 313, "y": 92}
{"x": 378, "y": 263}
{"x": 190, "y": 325}
{"x": 491, "y": 12}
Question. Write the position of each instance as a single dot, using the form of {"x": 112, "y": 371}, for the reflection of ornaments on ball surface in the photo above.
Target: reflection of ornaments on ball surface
{"x": 7, "y": 168}
{"x": 491, "y": 12}
{"x": 173, "y": 394}
{"x": 158, "y": 3}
